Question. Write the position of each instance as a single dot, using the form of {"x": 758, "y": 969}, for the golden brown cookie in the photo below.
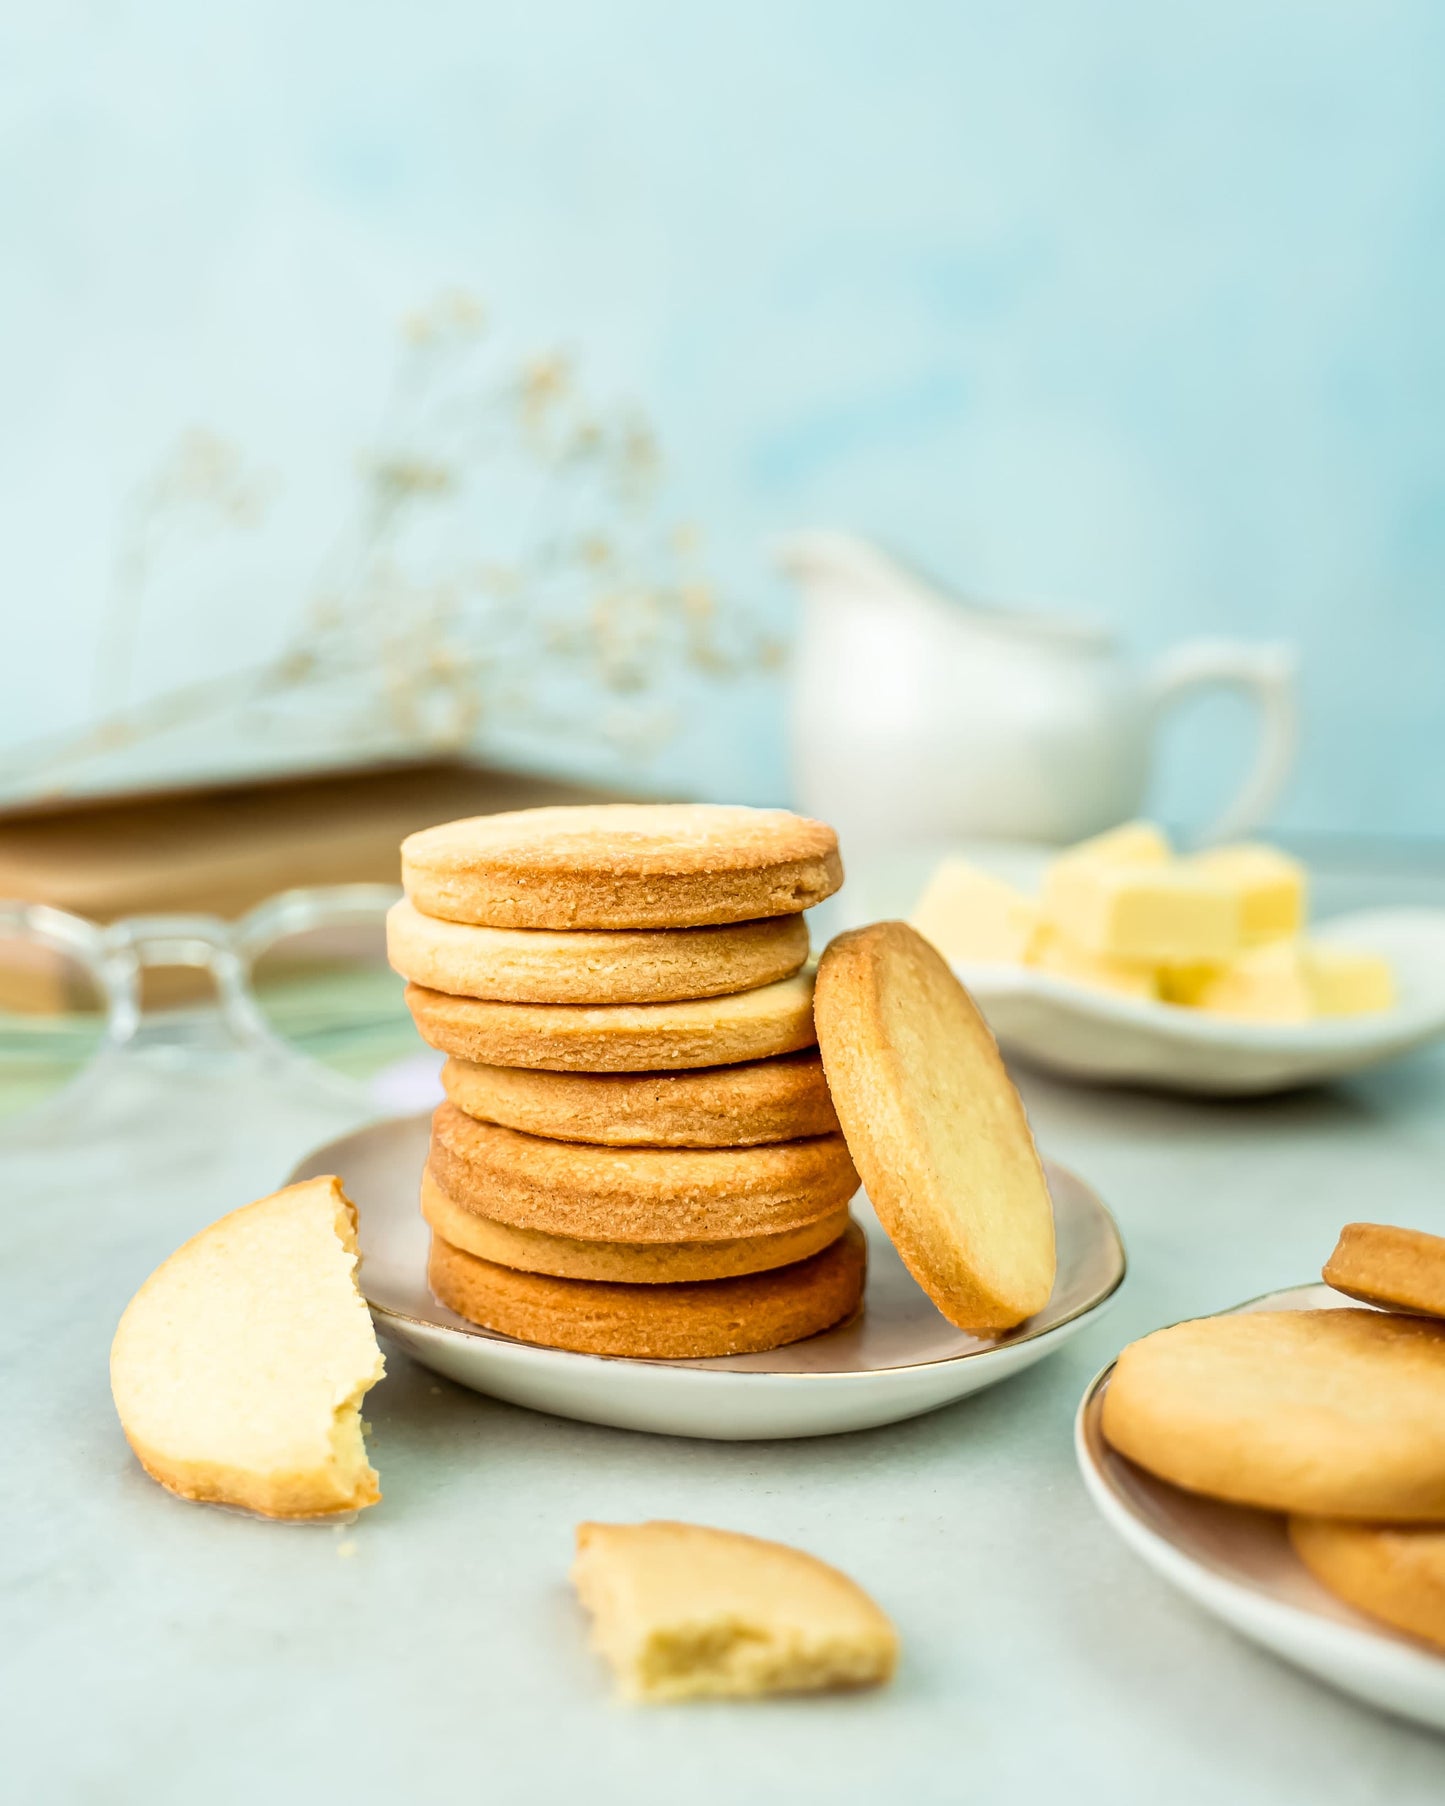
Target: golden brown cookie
{"x": 628, "y": 1263}
{"x": 621, "y": 865}
{"x": 1335, "y": 1413}
{"x": 1398, "y": 1269}
{"x": 637, "y": 1194}
{"x": 936, "y": 1127}
{"x": 685, "y": 1612}
{"x": 781, "y": 1099}
{"x": 668, "y": 1322}
{"x": 619, "y": 1037}
{"x": 539, "y": 965}
{"x": 1393, "y": 1574}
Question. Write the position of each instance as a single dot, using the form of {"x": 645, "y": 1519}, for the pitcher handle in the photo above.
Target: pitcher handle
{"x": 1264, "y": 673}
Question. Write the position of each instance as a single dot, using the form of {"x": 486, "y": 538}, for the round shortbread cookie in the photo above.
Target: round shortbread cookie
{"x": 628, "y": 1263}
{"x": 622, "y": 865}
{"x": 675, "y": 1322}
{"x": 782, "y": 1099}
{"x": 540, "y": 965}
{"x": 1398, "y": 1269}
{"x": 1395, "y": 1575}
{"x": 619, "y": 1037}
{"x": 637, "y": 1194}
{"x": 1335, "y": 1413}
{"x": 936, "y": 1127}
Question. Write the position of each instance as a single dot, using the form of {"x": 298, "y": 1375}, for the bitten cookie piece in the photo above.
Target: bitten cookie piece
{"x": 746, "y": 1315}
{"x": 936, "y": 1127}
{"x": 1398, "y": 1269}
{"x": 1334, "y": 1413}
{"x": 622, "y": 865}
{"x": 684, "y": 1612}
{"x": 1395, "y": 1575}
{"x": 239, "y": 1367}
{"x": 539, "y": 965}
{"x": 782, "y": 1099}
{"x": 619, "y": 1037}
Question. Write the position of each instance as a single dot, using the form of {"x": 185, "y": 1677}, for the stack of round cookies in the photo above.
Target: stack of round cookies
{"x": 638, "y": 1155}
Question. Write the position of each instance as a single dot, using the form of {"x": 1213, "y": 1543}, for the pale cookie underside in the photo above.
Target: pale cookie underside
{"x": 644, "y": 1037}
{"x": 534, "y": 965}
{"x": 1394, "y": 1574}
{"x": 745, "y": 1315}
{"x": 628, "y": 866}
{"x": 629, "y": 1263}
{"x": 936, "y": 1127}
{"x": 238, "y": 1368}
{"x": 682, "y": 1611}
{"x": 781, "y": 1099}
{"x": 1398, "y": 1269}
{"x": 637, "y": 1194}
{"x": 1335, "y": 1413}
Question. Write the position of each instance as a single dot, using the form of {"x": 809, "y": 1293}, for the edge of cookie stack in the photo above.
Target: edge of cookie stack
{"x": 638, "y": 1154}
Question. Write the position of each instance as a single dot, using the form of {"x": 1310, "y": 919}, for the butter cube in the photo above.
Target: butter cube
{"x": 1265, "y": 984}
{"x": 1269, "y": 884}
{"x": 1133, "y": 843}
{"x": 970, "y": 915}
{"x": 1186, "y": 983}
{"x": 1053, "y": 952}
{"x": 1153, "y": 913}
{"x": 1348, "y": 982}
{"x": 1294, "y": 981}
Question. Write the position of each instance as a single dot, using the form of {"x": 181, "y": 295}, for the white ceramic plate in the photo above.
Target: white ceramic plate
{"x": 896, "y": 1359}
{"x": 1238, "y": 1564}
{"x": 1084, "y": 1033}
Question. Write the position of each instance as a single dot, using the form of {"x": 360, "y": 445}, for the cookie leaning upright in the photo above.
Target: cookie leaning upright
{"x": 622, "y": 866}
{"x": 935, "y": 1127}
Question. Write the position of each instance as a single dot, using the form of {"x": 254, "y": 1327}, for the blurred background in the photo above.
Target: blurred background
{"x": 441, "y": 391}
{"x": 1126, "y": 314}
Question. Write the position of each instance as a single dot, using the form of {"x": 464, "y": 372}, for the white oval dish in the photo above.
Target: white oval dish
{"x": 1238, "y": 1564}
{"x": 1092, "y": 1034}
{"x": 897, "y": 1358}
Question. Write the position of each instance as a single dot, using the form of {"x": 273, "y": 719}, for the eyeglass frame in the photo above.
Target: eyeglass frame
{"x": 117, "y": 953}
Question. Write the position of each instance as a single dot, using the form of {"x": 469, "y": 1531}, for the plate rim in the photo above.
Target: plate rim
{"x": 1380, "y": 1643}
{"x": 513, "y": 1346}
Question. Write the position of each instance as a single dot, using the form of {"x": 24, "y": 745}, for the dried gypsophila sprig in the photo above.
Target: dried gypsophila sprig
{"x": 440, "y": 640}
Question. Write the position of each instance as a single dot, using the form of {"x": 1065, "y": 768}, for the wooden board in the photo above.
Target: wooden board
{"x": 221, "y": 852}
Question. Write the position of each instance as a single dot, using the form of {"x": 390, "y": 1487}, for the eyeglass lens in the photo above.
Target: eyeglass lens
{"x": 331, "y": 994}
{"x": 52, "y": 1020}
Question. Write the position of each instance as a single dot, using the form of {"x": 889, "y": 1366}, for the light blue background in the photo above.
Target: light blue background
{"x": 1121, "y": 307}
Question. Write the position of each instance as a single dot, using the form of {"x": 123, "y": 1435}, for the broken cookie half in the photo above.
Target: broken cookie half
{"x": 239, "y": 1367}
{"x": 684, "y": 1612}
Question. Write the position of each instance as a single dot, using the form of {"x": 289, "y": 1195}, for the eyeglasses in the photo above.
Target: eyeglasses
{"x": 302, "y": 976}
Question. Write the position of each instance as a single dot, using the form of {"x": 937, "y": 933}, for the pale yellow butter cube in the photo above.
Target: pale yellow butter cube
{"x": 1186, "y": 983}
{"x": 1348, "y": 982}
{"x": 1269, "y": 884}
{"x": 1132, "y": 843}
{"x": 1293, "y": 981}
{"x": 1152, "y": 913}
{"x": 970, "y": 915}
{"x": 1052, "y": 952}
{"x": 1265, "y": 984}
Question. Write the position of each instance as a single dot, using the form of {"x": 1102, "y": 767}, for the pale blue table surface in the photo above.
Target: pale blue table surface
{"x": 155, "y": 1650}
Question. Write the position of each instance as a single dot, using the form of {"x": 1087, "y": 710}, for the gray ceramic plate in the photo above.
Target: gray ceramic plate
{"x": 1238, "y": 1564}
{"x": 896, "y": 1359}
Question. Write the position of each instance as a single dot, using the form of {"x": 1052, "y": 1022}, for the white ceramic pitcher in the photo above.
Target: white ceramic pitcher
{"x": 921, "y": 717}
